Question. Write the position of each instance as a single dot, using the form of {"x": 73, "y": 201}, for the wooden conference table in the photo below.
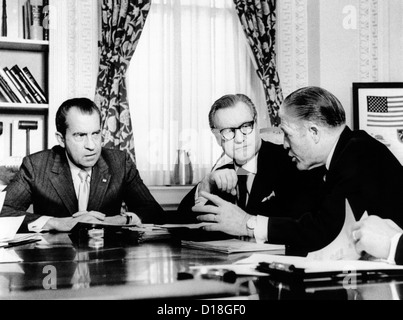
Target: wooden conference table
{"x": 73, "y": 266}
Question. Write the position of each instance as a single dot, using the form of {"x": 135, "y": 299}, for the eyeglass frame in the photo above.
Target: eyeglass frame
{"x": 233, "y": 130}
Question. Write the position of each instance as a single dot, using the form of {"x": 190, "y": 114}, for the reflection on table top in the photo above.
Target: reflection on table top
{"x": 119, "y": 267}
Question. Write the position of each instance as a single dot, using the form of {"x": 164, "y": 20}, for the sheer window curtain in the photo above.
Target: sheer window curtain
{"x": 190, "y": 54}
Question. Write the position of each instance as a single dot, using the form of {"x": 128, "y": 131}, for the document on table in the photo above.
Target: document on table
{"x": 8, "y": 256}
{"x": 343, "y": 247}
{"x": 9, "y": 227}
{"x": 315, "y": 266}
{"x": 188, "y": 226}
{"x": 233, "y": 246}
{"x": 2, "y": 198}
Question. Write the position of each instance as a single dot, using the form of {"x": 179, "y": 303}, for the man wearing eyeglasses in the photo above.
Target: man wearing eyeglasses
{"x": 259, "y": 176}
{"x": 78, "y": 180}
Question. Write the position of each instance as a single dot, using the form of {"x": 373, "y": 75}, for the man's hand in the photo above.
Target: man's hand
{"x": 224, "y": 180}
{"x": 373, "y": 235}
{"x": 66, "y": 224}
{"x": 228, "y": 217}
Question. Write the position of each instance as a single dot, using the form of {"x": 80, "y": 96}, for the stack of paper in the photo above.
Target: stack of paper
{"x": 233, "y": 246}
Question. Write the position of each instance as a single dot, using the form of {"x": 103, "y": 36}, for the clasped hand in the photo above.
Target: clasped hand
{"x": 224, "y": 180}
{"x": 66, "y": 224}
{"x": 226, "y": 217}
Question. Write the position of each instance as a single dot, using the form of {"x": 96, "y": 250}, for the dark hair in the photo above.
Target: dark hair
{"x": 228, "y": 101}
{"x": 317, "y": 105}
{"x": 85, "y": 105}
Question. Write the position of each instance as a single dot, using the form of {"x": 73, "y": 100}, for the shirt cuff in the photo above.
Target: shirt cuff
{"x": 199, "y": 201}
{"x": 393, "y": 246}
{"x": 38, "y": 224}
{"x": 260, "y": 231}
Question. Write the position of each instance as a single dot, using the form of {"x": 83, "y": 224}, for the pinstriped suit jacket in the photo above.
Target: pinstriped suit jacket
{"x": 45, "y": 181}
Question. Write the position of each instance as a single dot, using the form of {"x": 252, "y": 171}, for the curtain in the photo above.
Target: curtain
{"x": 191, "y": 53}
{"x": 122, "y": 25}
{"x": 258, "y": 18}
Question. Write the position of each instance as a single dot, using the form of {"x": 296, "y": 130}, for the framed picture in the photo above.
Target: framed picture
{"x": 378, "y": 109}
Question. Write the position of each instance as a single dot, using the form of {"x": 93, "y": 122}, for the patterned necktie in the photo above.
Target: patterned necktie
{"x": 83, "y": 191}
{"x": 242, "y": 188}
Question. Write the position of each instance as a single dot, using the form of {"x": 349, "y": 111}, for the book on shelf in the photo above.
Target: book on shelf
{"x": 35, "y": 84}
{"x": 21, "y": 86}
{"x": 36, "y": 28}
{"x": 45, "y": 20}
{"x": 17, "y": 84}
{"x": 26, "y": 84}
{"x": 27, "y": 93}
{"x": 4, "y": 91}
{"x": 8, "y": 90}
{"x": 12, "y": 86}
{"x": 26, "y": 19}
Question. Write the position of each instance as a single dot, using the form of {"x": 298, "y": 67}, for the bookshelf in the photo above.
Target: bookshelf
{"x": 33, "y": 54}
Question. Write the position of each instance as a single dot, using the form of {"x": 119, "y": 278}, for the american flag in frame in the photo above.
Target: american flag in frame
{"x": 378, "y": 109}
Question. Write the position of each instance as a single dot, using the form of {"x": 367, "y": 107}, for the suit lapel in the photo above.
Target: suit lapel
{"x": 99, "y": 184}
{"x": 63, "y": 183}
{"x": 261, "y": 187}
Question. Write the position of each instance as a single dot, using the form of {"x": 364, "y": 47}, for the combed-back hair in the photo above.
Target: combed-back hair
{"x": 229, "y": 101}
{"x": 317, "y": 105}
{"x": 85, "y": 105}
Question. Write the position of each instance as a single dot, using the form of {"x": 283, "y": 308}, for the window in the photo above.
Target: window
{"x": 190, "y": 54}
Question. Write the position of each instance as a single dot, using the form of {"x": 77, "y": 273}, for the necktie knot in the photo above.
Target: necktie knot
{"x": 83, "y": 175}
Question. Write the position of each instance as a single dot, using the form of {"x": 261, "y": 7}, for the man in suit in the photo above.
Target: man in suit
{"x": 78, "y": 180}
{"x": 359, "y": 169}
{"x": 381, "y": 238}
{"x": 263, "y": 167}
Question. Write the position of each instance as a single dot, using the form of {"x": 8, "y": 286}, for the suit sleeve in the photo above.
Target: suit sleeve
{"x": 399, "y": 252}
{"x": 138, "y": 198}
{"x": 19, "y": 194}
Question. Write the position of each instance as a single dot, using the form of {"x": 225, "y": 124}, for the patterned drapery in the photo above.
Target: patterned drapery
{"x": 258, "y": 19}
{"x": 122, "y": 25}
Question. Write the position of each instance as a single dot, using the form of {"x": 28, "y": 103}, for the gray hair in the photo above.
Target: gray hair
{"x": 317, "y": 105}
{"x": 228, "y": 101}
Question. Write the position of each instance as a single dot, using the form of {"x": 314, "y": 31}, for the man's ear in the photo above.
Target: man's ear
{"x": 60, "y": 139}
{"x": 315, "y": 132}
{"x": 218, "y": 138}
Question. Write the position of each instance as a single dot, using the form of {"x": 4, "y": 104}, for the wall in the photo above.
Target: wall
{"x": 335, "y": 43}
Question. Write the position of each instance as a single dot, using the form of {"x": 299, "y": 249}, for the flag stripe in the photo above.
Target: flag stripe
{"x": 385, "y": 125}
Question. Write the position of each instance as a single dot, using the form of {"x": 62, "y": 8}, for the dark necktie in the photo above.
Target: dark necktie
{"x": 242, "y": 189}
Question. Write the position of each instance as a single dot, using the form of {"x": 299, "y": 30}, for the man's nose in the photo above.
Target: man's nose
{"x": 239, "y": 136}
{"x": 89, "y": 142}
{"x": 286, "y": 145}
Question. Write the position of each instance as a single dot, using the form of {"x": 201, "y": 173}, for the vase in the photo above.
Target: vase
{"x": 183, "y": 171}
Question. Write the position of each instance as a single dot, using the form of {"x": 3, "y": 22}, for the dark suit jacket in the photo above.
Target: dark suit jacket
{"x": 295, "y": 191}
{"x": 399, "y": 251}
{"x": 362, "y": 170}
{"x": 45, "y": 181}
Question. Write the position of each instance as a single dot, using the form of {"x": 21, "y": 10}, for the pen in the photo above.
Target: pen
{"x": 21, "y": 243}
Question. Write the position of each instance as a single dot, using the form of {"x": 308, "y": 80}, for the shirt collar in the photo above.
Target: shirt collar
{"x": 250, "y": 166}
{"x": 330, "y": 156}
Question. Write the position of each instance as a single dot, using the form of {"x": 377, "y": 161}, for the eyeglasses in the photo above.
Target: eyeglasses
{"x": 246, "y": 128}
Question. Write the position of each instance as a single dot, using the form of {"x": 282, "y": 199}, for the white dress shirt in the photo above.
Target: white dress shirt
{"x": 38, "y": 224}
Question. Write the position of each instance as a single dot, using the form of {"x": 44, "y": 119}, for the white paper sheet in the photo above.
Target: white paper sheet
{"x": 189, "y": 226}
{"x": 343, "y": 247}
{"x": 9, "y": 227}
{"x": 2, "y": 198}
{"x": 311, "y": 265}
{"x": 8, "y": 256}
